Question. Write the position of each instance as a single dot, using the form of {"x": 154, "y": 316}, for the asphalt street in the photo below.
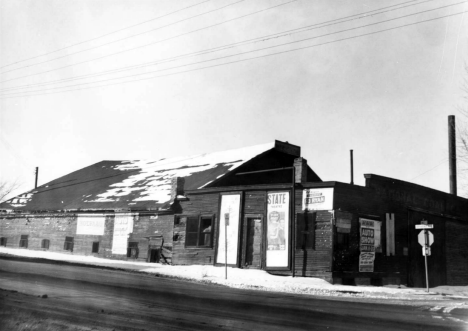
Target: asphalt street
{"x": 100, "y": 299}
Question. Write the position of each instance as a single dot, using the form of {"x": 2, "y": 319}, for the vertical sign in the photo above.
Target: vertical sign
{"x": 390, "y": 225}
{"x": 123, "y": 225}
{"x": 277, "y": 254}
{"x": 229, "y": 221}
{"x": 369, "y": 244}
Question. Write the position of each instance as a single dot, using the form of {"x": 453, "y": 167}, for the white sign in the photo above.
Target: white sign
{"x": 426, "y": 251}
{"x": 424, "y": 226}
{"x": 277, "y": 254}
{"x": 229, "y": 212}
{"x": 317, "y": 199}
{"x": 123, "y": 225}
{"x": 370, "y": 243}
{"x": 90, "y": 224}
{"x": 366, "y": 261}
{"x": 422, "y": 238}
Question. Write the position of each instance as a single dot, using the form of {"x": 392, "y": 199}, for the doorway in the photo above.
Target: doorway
{"x": 253, "y": 244}
{"x": 154, "y": 255}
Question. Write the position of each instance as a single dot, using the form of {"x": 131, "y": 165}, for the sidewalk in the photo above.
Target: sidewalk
{"x": 257, "y": 279}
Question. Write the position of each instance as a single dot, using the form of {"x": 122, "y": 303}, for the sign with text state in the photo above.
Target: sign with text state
{"x": 422, "y": 239}
{"x": 424, "y": 226}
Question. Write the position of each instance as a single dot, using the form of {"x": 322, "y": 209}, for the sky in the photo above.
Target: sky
{"x": 91, "y": 80}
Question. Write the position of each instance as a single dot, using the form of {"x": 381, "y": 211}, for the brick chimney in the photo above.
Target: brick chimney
{"x": 177, "y": 187}
{"x": 301, "y": 170}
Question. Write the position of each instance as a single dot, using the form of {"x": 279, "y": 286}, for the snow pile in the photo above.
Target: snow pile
{"x": 245, "y": 278}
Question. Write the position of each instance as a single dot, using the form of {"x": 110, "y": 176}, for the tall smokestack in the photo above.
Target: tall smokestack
{"x": 352, "y": 166}
{"x": 452, "y": 155}
{"x": 37, "y": 175}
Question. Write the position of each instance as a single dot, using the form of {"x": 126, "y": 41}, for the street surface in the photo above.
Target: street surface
{"x": 85, "y": 298}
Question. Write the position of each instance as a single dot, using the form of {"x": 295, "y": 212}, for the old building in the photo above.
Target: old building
{"x": 260, "y": 207}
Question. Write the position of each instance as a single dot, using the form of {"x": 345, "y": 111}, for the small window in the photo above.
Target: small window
{"x": 23, "y": 241}
{"x": 3, "y": 241}
{"x": 68, "y": 245}
{"x": 132, "y": 250}
{"x": 45, "y": 243}
{"x": 199, "y": 231}
{"x": 95, "y": 247}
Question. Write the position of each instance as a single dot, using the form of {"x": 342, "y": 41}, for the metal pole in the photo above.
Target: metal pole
{"x": 452, "y": 155}
{"x": 37, "y": 175}
{"x": 426, "y": 243}
{"x": 352, "y": 166}
{"x": 225, "y": 244}
{"x": 293, "y": 220}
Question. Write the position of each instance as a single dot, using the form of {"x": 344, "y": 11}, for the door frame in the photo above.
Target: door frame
{"x": 244, "y": 239}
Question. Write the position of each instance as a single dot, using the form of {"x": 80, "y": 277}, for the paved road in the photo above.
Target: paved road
{"x": 98, "y": 299}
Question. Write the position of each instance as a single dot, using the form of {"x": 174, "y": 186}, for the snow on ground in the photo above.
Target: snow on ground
{"x": 249, "y": 279}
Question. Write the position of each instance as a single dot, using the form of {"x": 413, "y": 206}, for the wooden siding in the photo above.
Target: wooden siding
{"x": 206, "y": 204}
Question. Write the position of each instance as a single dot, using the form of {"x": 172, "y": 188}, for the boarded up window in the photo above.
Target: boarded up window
{"x": 68, "y": 245}
{"x": 23, "y": 241}
{"x": 45, "y": 243}
{"x": 305, "y": 235}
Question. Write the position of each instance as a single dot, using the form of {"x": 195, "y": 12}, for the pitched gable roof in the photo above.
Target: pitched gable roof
{"x": 133, "y": 184}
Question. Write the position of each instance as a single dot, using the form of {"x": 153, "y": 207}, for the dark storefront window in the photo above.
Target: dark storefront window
{"x": 3, "y": 241}
{"x": 199, "y": 231}
{"x": 23, "y": 241}
{"x": 68, "y": 245}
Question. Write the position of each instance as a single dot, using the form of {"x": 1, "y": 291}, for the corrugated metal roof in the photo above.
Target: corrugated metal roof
{"x": 132, "y": 184}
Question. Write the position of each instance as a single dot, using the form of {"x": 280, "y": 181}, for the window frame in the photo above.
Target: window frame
{"x": 3, "y": 241}
{"x": 95, "y": 244}
{"x": 23, "y": 243}
{"x": 130, "y": 246}
{"x": 43, "y": 244}
{"x": 199, "y": 232}
{"x": 68, "y": 244}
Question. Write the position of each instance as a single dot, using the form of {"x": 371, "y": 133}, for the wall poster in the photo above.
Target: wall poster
{"x": 123, "y": 225}
{"x": 317, "y": 199}
{"x": 229, "y": 214}
{"x": 90, "y": 224}
{"x": 277, "y": 254}
{"x": 370, "y": 243}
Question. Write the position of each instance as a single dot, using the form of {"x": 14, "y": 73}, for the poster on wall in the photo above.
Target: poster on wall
{"x": 123, "y": 226}
{"x": 277, "y": 254}
{"x": 370, "y": 243}
{"x": 229, "y": 215}
{"x": 90, "y": 224}
{"x": 317, "y": 199}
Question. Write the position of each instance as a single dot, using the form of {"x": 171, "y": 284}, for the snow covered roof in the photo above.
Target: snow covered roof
{"x": 135, "y": 184}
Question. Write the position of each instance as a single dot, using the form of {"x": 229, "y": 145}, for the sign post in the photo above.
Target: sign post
{"x": 226, "y": 223}
{"x": 425, "y": 239}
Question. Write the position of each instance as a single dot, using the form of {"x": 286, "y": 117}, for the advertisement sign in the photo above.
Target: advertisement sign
{"x": 123, "y": 225}
{"x": 317, "y": 199}
{"x": 229, "y": 215}
{"x": 277, "y": 254}
{"x": 370, "y": 243}
{"x": 90, "y": 224}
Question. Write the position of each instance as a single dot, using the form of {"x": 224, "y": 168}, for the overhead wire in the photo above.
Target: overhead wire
{"x": 318, "y": 25}
{"x": 225, "y": 47}
{"x": 105, "y": 35}
{"x": 438, "y": 165}
{"x": 242, "y": 53}
{"x": 128, "y": 37}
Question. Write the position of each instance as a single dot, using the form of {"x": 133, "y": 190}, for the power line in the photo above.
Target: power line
{"x": 438, "y": 165}
{"x": 105, "y": 35}
{"x": 210, "y": 26}
{"x": 132, "y": 36}
{"x": 242, "y": 53}
{"x": 225, "y": 47}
